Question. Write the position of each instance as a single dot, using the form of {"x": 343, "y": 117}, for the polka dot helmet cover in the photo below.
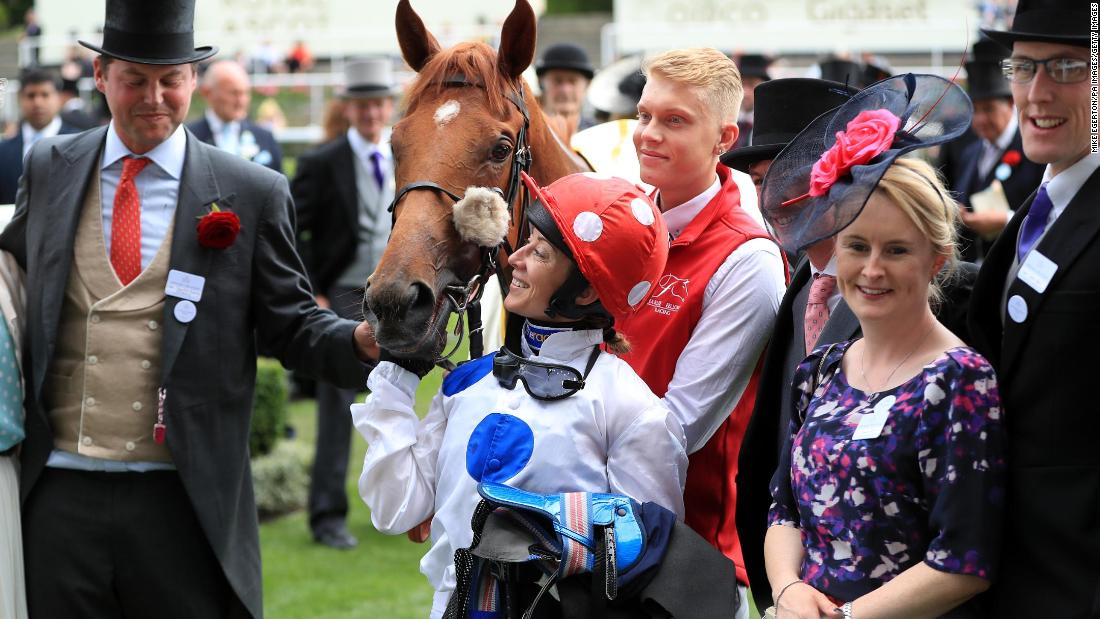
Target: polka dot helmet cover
{"x": 615, "y": 232}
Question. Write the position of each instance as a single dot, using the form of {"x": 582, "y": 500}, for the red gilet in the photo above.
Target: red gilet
{"x": 658, "y": 334}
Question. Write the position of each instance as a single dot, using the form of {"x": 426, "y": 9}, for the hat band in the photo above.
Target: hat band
{"x": 369, "y": 88}
{"x": 152, "y": 45}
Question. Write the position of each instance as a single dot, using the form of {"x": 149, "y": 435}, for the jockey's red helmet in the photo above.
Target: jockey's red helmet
{"x": 612, "y": 231}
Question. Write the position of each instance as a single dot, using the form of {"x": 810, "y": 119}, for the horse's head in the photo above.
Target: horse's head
{"x": 463, "y": 123}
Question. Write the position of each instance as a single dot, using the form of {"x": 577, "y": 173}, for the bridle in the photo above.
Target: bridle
{"x": 465, "y": 298}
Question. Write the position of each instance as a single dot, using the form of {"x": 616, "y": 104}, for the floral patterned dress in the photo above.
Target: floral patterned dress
{"x": 928, "y": 487}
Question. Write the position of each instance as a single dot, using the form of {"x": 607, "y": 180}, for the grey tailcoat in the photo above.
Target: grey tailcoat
{"x": 255, "y": 288}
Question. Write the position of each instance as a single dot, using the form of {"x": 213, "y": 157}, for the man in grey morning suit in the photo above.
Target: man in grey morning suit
{"x": 141, "y": 342}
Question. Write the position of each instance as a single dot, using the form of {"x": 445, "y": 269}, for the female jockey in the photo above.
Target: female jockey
{"x": 559, "y": 414}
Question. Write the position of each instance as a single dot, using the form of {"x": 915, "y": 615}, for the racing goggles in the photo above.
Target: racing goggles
{"x": 542, "y": 381}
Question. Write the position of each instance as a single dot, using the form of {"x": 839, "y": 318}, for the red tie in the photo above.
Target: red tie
{"x": 817, "y": 308}
{"x": 126, "y": 223}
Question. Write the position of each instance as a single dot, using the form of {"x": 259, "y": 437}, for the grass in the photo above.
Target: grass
{"x": 380, "y": 578}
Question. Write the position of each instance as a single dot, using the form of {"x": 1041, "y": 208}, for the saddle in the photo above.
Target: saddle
{"x": 597, "y": 555}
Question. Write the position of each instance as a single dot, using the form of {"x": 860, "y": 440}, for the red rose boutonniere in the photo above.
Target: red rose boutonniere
{"x": 218, "y": 229}
{"x": 1012, "y": 158}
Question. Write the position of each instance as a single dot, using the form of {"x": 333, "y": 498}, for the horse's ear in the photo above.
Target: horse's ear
{"x": 417, "y": 44}
{"x": 517, "y": 40}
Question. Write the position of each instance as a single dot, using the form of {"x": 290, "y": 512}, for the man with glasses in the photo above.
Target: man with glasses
{"x": 1034, "y": 316}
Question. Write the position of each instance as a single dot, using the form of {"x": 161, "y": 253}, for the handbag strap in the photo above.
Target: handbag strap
{"x": 817, "y": 378}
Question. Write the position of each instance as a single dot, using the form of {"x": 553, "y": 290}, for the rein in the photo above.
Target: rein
{"x": 465, "y": 298}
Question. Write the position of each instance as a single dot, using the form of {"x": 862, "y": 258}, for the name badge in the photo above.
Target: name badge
{"x": 1037, "y": 271}
{"x": 184, "y": 285}
{"x": 871, "y": 424}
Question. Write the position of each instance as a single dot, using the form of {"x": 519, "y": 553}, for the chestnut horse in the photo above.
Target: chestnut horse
{"x": 469, "y": 120}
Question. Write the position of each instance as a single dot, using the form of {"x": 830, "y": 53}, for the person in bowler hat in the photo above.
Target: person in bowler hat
{"x": 1034, "y": 316}
{"x": 564, "y": 72}
{"x": 155, "y": 263}
{"x": 995, "y": 158}
{"x": 341, "y": 192}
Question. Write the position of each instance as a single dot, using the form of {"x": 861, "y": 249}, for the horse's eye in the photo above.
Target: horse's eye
{"x": 501, "y": 151}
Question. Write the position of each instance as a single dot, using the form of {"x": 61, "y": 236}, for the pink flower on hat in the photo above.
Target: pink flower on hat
{"x": 868, "y": 135}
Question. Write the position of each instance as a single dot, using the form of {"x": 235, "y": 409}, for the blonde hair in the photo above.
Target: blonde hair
{"x": 917, "y": 189}
{"x": 709, "y": 70}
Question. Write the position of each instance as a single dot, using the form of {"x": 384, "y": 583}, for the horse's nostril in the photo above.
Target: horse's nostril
{"x": 422, "y": 297}
{"x": 389, "y": 303}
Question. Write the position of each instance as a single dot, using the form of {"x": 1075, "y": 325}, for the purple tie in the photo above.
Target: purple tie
{"x": 1035, "y": 222}
{"x": 376, "y": 165}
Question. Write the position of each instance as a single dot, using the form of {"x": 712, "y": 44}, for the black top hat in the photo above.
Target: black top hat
{"x": 988, "y": 50}
{"x": 754, "y": 65}
{"x": 985, "y": 80}
{"x": 843, "y": 71}
{"x": 565, "y": 56}
{"x": 784, "y": 108}
{"x": 1048, "y": 21}
{"x": 160, "y": 32}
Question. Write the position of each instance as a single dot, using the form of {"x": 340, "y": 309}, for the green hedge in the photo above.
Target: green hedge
{"x": 280, "y": 479}
{"x": 269, "y": 410}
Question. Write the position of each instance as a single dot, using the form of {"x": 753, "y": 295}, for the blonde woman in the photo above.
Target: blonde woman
{"x": 889, "y": 495}
{"x": 13, "y": 597}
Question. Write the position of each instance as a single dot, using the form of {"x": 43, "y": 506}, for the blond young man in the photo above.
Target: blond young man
{"x": 698, "y": 342}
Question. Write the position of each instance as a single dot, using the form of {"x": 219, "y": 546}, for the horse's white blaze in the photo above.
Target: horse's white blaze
{"x": 446, "y": 113}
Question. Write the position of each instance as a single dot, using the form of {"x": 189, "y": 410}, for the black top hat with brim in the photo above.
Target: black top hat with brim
{"x": 988, "y": 50}
{"x": 1047, "y": 21}
{"x": 985, "y": 80}
{"x": 821, "y": 181}
{"x": 843, "y": 71}
{"x": 566, "y": 56}
{"x": 617, "y": 88}
{"x": 370, "y": 78}
{"x": 754, "y": 65}
{"x": 160, "y": 32}
{"x": 784, "y": 108}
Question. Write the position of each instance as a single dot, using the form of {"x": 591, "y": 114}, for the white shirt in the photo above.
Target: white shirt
{"x": 740, "y": 303}
{"x": 1062, "y": 188}
{"x": 613, "y": 435}
{"x": 158, "y": 187}
{"x": 363, "y": 149}
{"x": 30, "y": 136}
{"x": 227, "y": 136}
{"x": 992, "y": 150}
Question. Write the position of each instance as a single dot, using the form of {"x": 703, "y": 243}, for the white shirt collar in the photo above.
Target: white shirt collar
{"x": 217, "y": 125}
{"x": 168, "y": 155}
{"x": 1009, "y": 132}
{"x": 830, "y": 267}
{"x": 363, "y": 149}
{"x": 570, "y": 347}
{"x": 1062, "y": 188}
{"x": 48, "y": 131}
{"x": 679, "y": 217}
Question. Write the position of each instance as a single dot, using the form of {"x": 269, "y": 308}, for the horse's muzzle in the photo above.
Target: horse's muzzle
{"x": 408, "y": 319}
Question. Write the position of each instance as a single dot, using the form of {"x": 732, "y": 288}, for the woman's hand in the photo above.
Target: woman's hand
{"x": 802, "y": 601}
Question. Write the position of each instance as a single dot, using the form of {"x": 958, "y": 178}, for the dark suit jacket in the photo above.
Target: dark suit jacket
{"x": 1047, "y": 370}
{"x": 769, "y": 426}
{"x": 1025, "y": 178}
{"x": 11, "y": 162}
{"x": 270, "y": 154}
{"x": 326, "y": 197}
{"x": 255, "y": 286}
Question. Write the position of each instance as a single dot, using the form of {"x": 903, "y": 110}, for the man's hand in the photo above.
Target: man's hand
{"x": 366, "y": 348}
{"x": 988, "y": 223}
{"x": 421, "y": 532}
{"x": 322, "y": 301}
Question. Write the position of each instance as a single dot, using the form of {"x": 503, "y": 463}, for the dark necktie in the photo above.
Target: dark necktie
{"x": 376, "y": 167}
{"x": 1035, "y": 222}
